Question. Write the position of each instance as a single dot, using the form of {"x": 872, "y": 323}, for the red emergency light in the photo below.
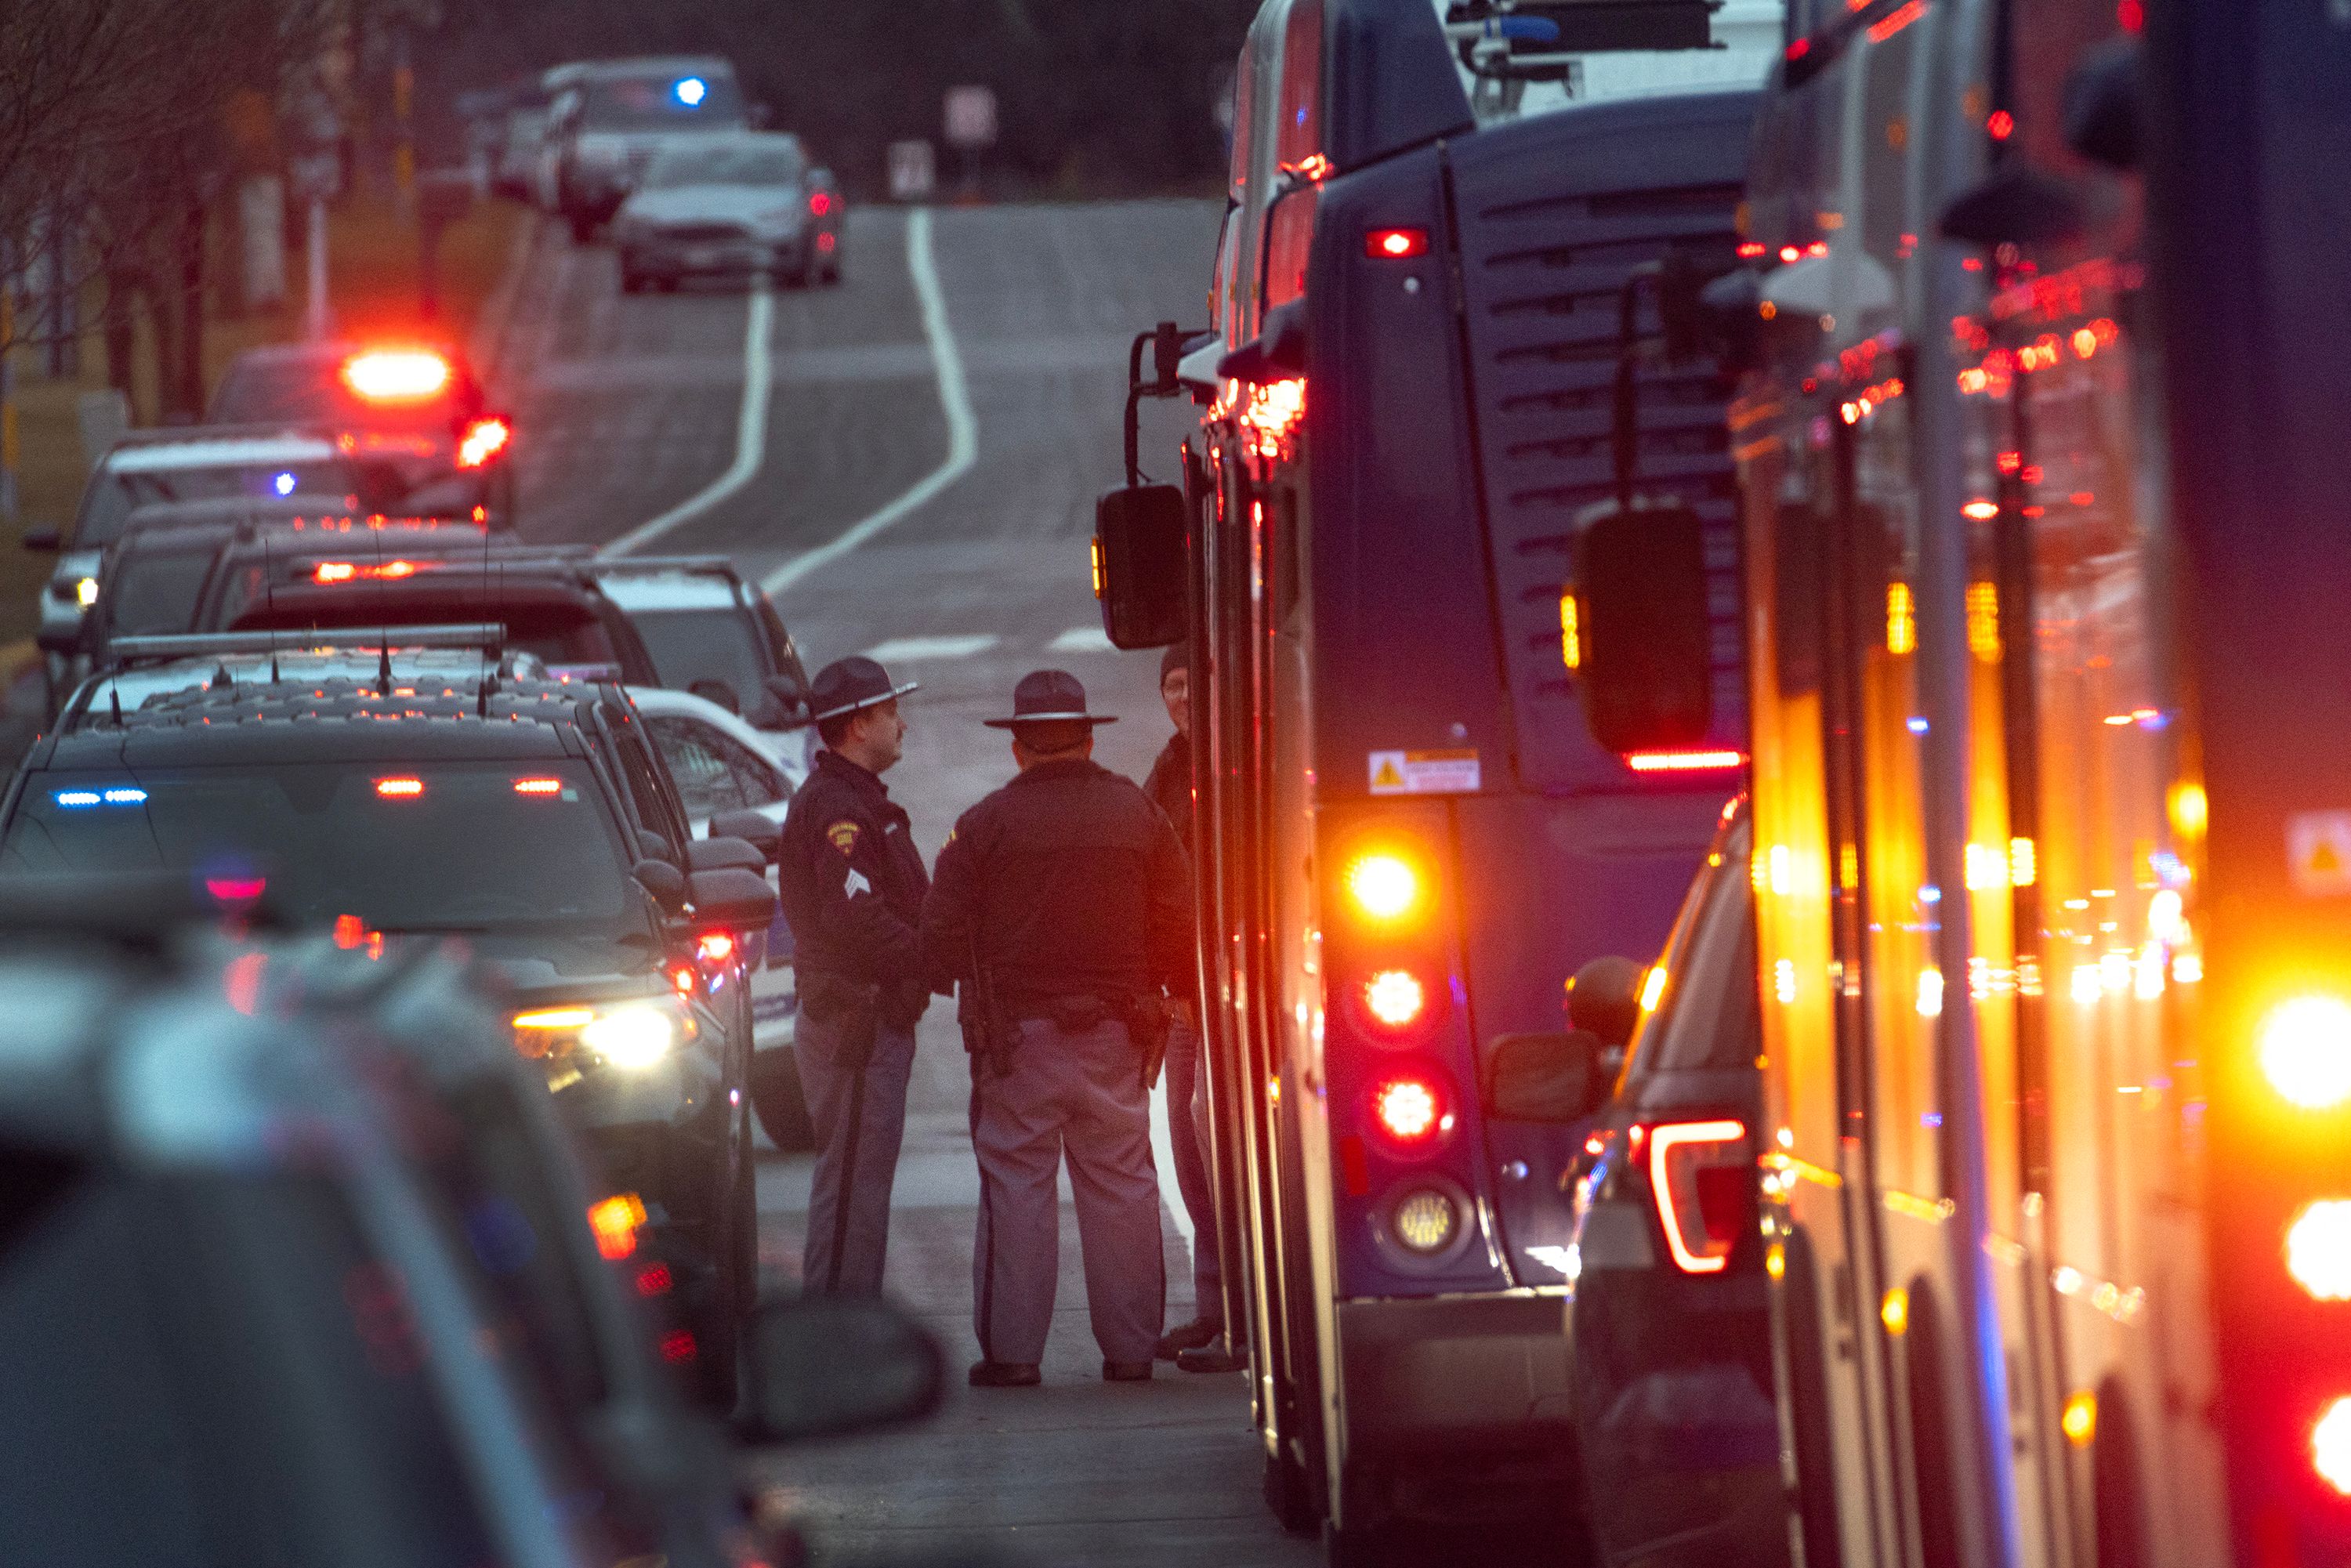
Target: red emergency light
{"x": 484, "y": 439}
{"x": 397, "y": 375}
{"x": 1396, "y": 244}
{"x": 820, "y": 202}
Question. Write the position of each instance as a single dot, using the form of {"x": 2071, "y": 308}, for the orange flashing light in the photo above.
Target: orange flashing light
{"x": 2304, "y": 1049}
{"x": 334, "y": 572}
{"x": 539, "y": 786}
{"x": 1684, "y": 761}
{"x": 399, "y": 788}
{"x": 2330, "y": 1446}
{"x": 715, "y": 947}
{"x": 397, "y": 375}
{"x": 615, "y": 1220}
{"x": 1384, "y": 886}
{"x": 1980, "y": 510}
{"x": 1571, "y": 630}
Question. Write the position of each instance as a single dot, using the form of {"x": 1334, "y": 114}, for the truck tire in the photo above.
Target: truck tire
{"x": 780, "y": 1101}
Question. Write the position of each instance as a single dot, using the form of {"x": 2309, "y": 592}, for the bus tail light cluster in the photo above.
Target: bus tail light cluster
{"x": 1411, "y": 1108}
{"x": 1704, "y": 1183}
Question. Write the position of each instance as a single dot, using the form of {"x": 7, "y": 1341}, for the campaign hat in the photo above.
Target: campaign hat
{"x": 848, "y": 684}
{"x": 1049, "y": 697}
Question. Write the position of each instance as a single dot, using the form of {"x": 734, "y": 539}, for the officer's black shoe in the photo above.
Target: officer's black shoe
{"x": 1126, "y": 1372}
{"x": 1199, "y": 1332}
{"x": 1005, "y": 1374}
{"x": 1212, "y": 1357}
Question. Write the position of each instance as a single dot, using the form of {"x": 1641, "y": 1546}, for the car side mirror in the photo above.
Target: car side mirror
{"x": 787, "y": 704}
{"x": 664, "y": 882}
{"x": 1645, "y": 661}
{"x": 1140, "y": 570}
{"x": 734, "y": 899}
{"x": 652, "y": 846}
{"x": 822, "y": 1367}
{"x": 753, "y": 828}
{"x": 44, "y": 539}
{"x": 1555, "y": 1078}
{"x": 724, "y": 853}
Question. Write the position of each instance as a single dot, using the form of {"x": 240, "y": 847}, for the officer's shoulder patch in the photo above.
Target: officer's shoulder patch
{"x": 844, "y": 835}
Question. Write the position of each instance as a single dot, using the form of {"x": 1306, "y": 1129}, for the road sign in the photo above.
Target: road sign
{"x": 971, "y": 117}
{"x": 913, "y": 171}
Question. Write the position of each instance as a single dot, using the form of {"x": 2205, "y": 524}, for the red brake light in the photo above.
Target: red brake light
{"x": 820, "y": 202}
{"x": 396, "y": 375}
{"x": 1683, "y": 761}
{"x": 1704, "y": 1187}
{"x": 1410, "y": 1109}
{"x": 236, "y": 888}
{"x": 483, "y": 440}
{"x": 1396, "y": 244}
{"x": 1395, "y": 997}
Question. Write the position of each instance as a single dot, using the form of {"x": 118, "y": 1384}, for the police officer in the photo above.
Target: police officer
{"x": 1063, "y": 911}
{"x": 1193, "y": 1345}
{"x": 852, "y": 886}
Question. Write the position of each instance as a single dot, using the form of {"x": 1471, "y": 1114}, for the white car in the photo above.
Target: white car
{"x": 736, "y": 206}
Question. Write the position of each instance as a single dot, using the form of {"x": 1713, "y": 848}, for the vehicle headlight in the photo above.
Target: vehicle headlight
{"x": 631, "y": 1035}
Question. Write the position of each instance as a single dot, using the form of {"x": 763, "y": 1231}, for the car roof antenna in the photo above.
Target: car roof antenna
{"x": 489, "y": 652}
{"x": 384, "y": 649}
{"x": 114, "y": 698}
{"x": 269, "y": 603}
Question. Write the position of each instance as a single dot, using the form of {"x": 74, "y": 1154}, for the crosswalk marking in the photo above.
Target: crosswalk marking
{"x": 1082, "y": 640}
{"x": 909, "y": 649}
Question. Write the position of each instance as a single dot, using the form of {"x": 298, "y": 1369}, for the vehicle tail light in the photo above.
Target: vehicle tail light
{"x": 715, "y": 947}
{"x": 2318, "y": 1249}
{"x": 483, "y": 440}
{"x": 2304, "y": 1046}
{"x": 1410, "y": 1109}
{"x": 1424, "y": 1222}
{"x": 2330, "y": 1446}
{"x": 825, "y": 243}
{"x": 1396, "y": 244}
{"x": 1395, "y": 997}
{"x": 654, "y": 1279}
{"x": 820, "y": 202}
{"x": 396, "y": 375}
{"x": 399, "y": 788}
{"x": 1704, "y": 1183}
{"x": 1684, "y": 761}
{"x": 614, "y": 1220}
{"x": 1383, "y": 887}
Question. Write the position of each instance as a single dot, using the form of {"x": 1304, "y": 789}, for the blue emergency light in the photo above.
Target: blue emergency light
{"x": 119, "y": 795}
{"x": 283, "y": 484}
{"x": 691, "y": 92}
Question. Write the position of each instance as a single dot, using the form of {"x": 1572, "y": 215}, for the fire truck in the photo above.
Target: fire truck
{"x": 2039, "y": 326}
{"x": 1433, "y": 350}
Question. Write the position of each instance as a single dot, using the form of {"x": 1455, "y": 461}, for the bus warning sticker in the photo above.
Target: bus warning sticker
{"x": 2318, "y": 852}
{"x": 1424, "y": 772}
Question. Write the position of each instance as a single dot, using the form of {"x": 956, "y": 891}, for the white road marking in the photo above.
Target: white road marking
{"x": 954, "y": 401}
{"x": 902, "y": 649}
{"x": 1163, "y": 1155}
{"x": 750, "y": 431}
{"x": 1082, "y": 640}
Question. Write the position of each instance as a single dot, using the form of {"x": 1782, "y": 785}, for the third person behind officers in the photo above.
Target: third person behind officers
{"x": 1062, "y": 910}
{"x": 852, "y": 883}
{"x": 1196, "y": 1345}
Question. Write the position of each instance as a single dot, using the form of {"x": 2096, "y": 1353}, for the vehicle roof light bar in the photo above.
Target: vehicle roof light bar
{"x": 482, "y": 634}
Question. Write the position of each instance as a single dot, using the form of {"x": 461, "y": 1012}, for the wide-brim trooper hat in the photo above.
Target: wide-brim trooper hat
{"x": 848, "y": 684}
{"x": 1049, "y": 697}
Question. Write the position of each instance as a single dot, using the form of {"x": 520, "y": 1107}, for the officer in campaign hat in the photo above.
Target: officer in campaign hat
{"x": 853, "y": 885}
{"x": 1063, "y": 911}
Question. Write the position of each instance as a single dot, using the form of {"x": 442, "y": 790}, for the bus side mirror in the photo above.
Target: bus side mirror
{"x": 1140, "y": 574}
{"x": 1646, "y": 668}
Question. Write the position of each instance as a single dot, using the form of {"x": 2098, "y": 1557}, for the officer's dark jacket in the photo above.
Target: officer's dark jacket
{"x": 843, "y": 821}
{"x": 1073, "y": 884}
{"x": 1169, "y": 785}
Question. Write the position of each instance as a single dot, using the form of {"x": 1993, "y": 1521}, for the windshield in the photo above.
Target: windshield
{"x": 566, "y": 634}
{"x": 474, "y": 846}
{"x": 212, "y": 1369}
{"x": 113, "y": 496}
{"x": 683, "y": 101}
{"x": 154, "y": 591}
{"x": 690, "y": 646}
{"x": 748, "y": 166}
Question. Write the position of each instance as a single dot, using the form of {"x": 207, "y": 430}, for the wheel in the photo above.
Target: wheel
{"x": 781, "y": 1102}
{"x": 734, "y": 1283}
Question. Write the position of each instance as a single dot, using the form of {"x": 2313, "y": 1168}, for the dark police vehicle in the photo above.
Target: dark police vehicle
{"x": 414, "y": 787}
{"x": 1433, "y": 363}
